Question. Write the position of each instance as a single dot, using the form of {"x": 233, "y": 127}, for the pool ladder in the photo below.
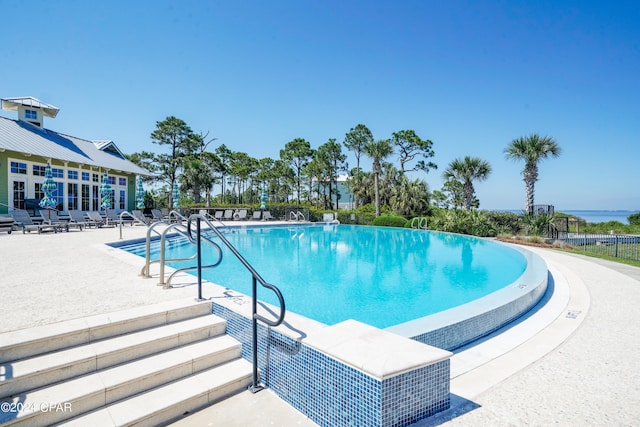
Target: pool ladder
{"x": 197, "y": 239}
{"x": 419, "y": 222}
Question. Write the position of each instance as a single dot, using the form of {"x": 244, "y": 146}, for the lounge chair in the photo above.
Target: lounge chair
{"x": 6, "y": 224}
{"x": 157, "y": 215}
{"x": 23, "y": 220}
{"x": 266, "y": 216}
{"x": 96, "y": 219}
{"x": 139, "y": 216}
{"x": 241, "y": 215}
{"x": 228, "y": 214}
{"x": 218, "y": 215}
{"x": 256, "y": 215}
{"x": 77, "y": 217}
{"x": 50, "y": 216}
{"x": 113, "y": 216}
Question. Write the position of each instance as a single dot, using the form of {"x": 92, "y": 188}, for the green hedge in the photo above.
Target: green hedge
{"x": 390, "y": 221}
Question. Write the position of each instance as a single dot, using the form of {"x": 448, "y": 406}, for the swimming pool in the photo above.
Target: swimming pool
{"x": 377, "y": 275}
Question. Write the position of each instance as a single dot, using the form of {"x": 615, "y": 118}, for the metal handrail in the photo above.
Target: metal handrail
{"x": 211, "y": 217}
{"x": 295, "y": 216}
{"x": 121, "y": 221}
{"x": 199, "y": 266}
{"x": 255, "y": 386}
{"x": 179, "y": 229}
{"x": 421, "y": 222}
{"x": 178, "y": 215}
{"x": 147, "y": 250}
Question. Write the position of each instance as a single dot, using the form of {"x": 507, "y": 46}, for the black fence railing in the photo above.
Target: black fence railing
{"x": 625, "y": 246}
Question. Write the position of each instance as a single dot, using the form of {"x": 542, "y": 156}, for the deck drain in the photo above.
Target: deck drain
{"x": 573, "y": 314}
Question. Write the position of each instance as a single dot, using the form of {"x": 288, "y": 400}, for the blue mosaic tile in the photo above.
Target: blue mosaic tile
{"x": 332, "y": 393}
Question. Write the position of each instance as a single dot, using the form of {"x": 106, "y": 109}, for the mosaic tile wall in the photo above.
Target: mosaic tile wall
{"x": 457, "y": 335}
{"x": 332, "y": 393}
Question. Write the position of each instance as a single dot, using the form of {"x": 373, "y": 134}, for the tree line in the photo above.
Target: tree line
{"x": 305, "y": 175}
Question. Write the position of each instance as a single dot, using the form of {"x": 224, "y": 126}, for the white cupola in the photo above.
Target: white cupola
{"x": 30, "y": 109}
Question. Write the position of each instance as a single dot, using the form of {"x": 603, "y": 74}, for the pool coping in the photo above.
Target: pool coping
{"x": 484, "y": 315}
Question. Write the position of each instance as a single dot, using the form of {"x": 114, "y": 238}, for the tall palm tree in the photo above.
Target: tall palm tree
{"x": 532, "y": 149}
{"x": 468, "y": 170}
{"x": 378, "y": 151}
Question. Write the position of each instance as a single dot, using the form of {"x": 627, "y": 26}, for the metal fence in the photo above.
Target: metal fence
{"x": 625, "y": 246}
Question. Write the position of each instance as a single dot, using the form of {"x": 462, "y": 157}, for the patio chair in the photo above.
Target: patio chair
{"x": 23, "y": 220}
{"x": 139, "y": 216}
{"x": 266, "y": 216}
{"x": 256, "y": 215}
{"x": 6, "y": 224}
{"x": 228, "y": 214}
{"x": 113, "y": 216}
{"x": 77, "y": 217}
{"x": 50, "y": 216}
{"x": 96, "y": 219}
{"x": 157, "y": 215}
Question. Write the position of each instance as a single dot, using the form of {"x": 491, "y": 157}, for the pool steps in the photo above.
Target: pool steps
{"x": 147, "y": 365}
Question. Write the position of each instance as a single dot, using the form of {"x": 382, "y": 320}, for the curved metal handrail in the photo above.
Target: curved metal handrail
{"x": 296, "y": 216}
{"x": 181, "y": 230}
{"x": 255, "y": 386}
{"x": 147, "y": 250}
{"x": 121, "y": 221}
{"x": 421, "y": 222}
{"x": 246, "y": 264}
{"x": 176, "y": 214}
{"x": 185, "y": 233}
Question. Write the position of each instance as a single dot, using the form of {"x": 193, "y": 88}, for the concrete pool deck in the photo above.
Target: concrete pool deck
{"x": 572, "y": 362}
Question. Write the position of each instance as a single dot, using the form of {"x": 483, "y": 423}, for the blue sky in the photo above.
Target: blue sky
{"x": 468, "y": 75}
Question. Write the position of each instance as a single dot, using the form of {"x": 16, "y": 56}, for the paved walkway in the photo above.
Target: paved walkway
{"x": 582, "y": 368}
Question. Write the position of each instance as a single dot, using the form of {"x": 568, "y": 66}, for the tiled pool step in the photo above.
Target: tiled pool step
{"x": 117, "y": 373}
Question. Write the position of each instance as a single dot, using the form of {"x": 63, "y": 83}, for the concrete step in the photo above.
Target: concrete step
{"x": 167, "y": 403}
{"x": 27, "y": 374}
{"x": 23, "y": 343}
{"x": 59, "y": 402}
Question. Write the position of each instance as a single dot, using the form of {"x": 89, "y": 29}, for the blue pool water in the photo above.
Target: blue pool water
{"x": 377, "y": 275}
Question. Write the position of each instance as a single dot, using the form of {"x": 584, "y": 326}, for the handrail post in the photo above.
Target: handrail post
{"x": 199, "y": 251}
{"x": 255, "y": 386}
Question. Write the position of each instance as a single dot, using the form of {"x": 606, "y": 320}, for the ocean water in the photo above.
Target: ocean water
{"x": 593, "y": 216}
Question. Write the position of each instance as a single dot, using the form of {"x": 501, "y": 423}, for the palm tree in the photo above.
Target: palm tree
{"x": 378, "y": 151}
{"x": 532, "y": 149}
{"x": 468, "y": 170}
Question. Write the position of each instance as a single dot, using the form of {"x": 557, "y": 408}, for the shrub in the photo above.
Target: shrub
{"x": 390, "y": 221}
{"x": 475, "y": 223}
{"x": 634, "y": 219}
{"x": 537, "y": 224}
